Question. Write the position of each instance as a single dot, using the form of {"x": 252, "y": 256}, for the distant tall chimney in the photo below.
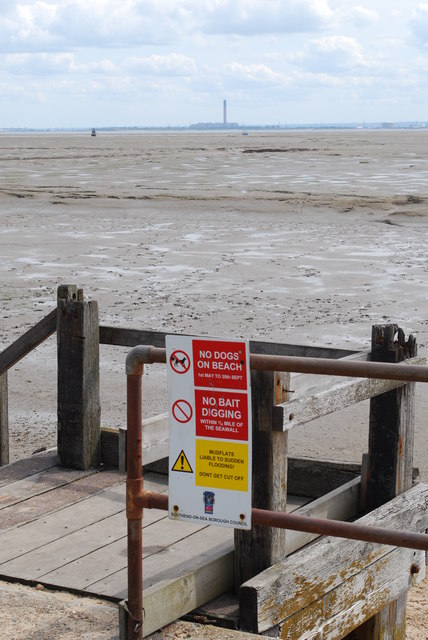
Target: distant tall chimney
{"x": 224, "y": 113}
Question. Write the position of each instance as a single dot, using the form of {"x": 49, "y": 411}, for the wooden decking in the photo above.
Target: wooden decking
{"x": 67, "y": 529}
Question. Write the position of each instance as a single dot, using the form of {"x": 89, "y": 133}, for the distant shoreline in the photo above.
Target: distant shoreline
{"x": 220, "y": 127}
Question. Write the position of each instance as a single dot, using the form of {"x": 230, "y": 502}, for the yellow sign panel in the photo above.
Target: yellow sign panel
{"x": 223, "y": 465}
{"x": 182, "y": 463}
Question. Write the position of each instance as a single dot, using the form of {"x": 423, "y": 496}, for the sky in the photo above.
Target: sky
{"x": 96, "y": 63}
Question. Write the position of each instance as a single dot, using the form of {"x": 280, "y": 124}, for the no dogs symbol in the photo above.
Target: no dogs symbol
{"x": 179, "y": 361}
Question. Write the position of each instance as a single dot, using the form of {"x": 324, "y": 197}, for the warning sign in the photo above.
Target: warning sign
{"x": 222, "y": 466}
{"x": 220, "y": 364}
{"x": 222, "y": 414}
{"x": 210, "y": 444}
{"x": 182, "y": 463}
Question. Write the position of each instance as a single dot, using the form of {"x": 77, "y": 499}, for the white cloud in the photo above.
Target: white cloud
{"x": 173, "y": 64}
{"x": 40, "y": 25}
{"x": 419, "y": 23}
{"x": 330, "y": 54}
{"x": 259, "y": 74}
{"x": 362, "y": 17}
{"x": 249, "y": 17}
{"x": 43, "y": 64}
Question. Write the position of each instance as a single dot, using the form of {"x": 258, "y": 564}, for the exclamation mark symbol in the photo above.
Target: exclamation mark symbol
{"x": 182, "y": 462}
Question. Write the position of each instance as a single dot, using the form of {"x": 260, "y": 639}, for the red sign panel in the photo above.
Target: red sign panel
{"x": 219, "y": 364}
{"x": 221, "y": 414}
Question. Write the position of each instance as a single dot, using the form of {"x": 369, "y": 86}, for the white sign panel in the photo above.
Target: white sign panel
{"x": 209, "y": 399}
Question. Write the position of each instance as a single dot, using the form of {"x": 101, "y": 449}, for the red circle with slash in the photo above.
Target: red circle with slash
{"x": 182, "y": 411}
{"x": 179, "y": 361}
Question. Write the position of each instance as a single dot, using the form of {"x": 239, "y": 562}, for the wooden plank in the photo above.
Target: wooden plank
{"x": 61, "y": 497}
{"x": 102, "y": 562}
{"x": 49, "y": 557}
{"x": 57, "y": 524}
{"x": 78, "y": 380}
{"x": 132, "y": 337}
{"x": 64, "y": 521}
{"x": 310, "y": 384}
{"x": 292, "y": 585}
{"x": 181, "y": 596}
{"x": 263, "y": 546}
{"x": 155, "y": 440}
{"x": 314, "y": 477}
{"x": 104, "y": 539}
{"x": 340, "y": 504}
{"x": 27, "y": 342}
{"x": 390, "y": 455}
{"x": 343, "y": 394}
{"x": 348, "y": 605}
{"x": 4, "y": 421}
{"x": 391, "y": 429}
{"x": 38, "y": 484}
{"x": 182, "y": 559}
{"x": 28, "y": 466}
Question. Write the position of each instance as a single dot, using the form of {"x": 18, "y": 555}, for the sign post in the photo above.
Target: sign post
{"x": 210, "y": 456}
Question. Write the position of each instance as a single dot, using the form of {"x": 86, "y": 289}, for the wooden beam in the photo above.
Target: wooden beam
{"x": 155, "y": 440}
{"x": 132, "y": 337}
{"x": 262, "y": 546}
{"x": 27, "y": 342}
{"x": 78, "y": 380}
{"x": 338, "y": 396}
{"x": 303, "y": 385}
{"x": 390, "y": 458}
{"x": 328, "y": 575}
{"x": 4, "y": 421}
{"x": 170, "y": 599}
{"x": 314, "y": 477}
{"x": 340, "y": 504}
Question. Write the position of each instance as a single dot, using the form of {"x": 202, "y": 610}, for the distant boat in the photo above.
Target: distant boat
{"x": 93, "y": 133}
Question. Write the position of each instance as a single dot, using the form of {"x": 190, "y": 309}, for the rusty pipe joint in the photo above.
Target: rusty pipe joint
{"x": 134, "y": 503}
{"x": 151, "y": 500}
{"x": 136, "y": 359}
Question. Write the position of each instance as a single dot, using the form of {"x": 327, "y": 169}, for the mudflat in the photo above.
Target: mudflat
{"x": 306, "y": 237}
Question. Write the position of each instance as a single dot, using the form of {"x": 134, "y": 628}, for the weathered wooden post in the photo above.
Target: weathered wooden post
{"x": 4, "y": 421}
{"x": 390, "y": 461}
{"x": 261, "y": 547}
{"x": 78, "y": 379}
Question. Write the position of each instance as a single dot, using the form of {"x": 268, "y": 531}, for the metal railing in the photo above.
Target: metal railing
{"x": 137, "y": 498}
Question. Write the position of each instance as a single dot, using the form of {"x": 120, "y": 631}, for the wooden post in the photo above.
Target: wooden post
{"x": 261, "y": 547}
{"x": 4, "y": 421}
{"x": 390, "y": 462}
{"x": 78, "y": 379}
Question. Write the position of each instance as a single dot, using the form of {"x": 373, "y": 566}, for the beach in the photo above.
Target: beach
{"x": 302, "y": 237}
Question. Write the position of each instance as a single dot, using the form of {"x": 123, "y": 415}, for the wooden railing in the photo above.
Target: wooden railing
{"x": 80, "y": 438}
{"x": 8, "y": 358}
{"x": 387, "y": 470}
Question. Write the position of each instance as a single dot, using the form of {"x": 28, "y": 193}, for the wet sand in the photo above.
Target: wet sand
{"x": 300, "y": 237}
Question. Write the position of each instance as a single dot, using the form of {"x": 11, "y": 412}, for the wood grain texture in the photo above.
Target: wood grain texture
{"x": 4, "y": 420}
{"x": 78, "y": 381}
{"x": 28, "y": 341}
{"x": 306, "y": 577}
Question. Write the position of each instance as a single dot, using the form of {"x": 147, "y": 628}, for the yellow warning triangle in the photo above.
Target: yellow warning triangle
{"x": 182, "y": 463}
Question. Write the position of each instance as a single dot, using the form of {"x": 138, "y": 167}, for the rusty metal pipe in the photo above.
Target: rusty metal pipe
{"x": 322, "y": 526}
{"x": 323, "y": 366}
{"x": 134, "y": 511}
